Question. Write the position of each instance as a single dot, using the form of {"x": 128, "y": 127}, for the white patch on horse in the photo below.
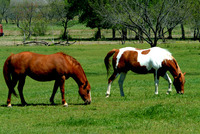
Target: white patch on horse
{"x": 154, "y": 58}
{"x": 121, "y": 51}
{"x": 90, "y": 96}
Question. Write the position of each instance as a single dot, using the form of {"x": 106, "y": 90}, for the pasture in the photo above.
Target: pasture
{"x": 140, "y": 111}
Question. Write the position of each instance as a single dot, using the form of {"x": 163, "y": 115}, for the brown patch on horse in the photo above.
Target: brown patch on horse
{"x": 125, "y": 64}
{"x": 146, "y": 51}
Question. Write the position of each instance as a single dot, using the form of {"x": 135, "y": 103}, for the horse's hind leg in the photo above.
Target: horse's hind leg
{"x": 166, "y": 77}
{"x": 55, "y": 88}
{"x": 121, "y": 81}
{"x": 11, "y": 90}
{"x": 20, "y": 89}
{"x": 110, "y": 80}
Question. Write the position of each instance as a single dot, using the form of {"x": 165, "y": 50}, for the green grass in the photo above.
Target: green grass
{"x": 140, "y": 111}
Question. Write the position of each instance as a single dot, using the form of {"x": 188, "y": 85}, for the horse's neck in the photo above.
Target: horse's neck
{"x": 174, "y": 68}
{"x": 79, "y": 76}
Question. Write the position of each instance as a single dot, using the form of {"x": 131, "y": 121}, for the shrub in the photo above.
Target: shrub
{"x": 39, "y": 28}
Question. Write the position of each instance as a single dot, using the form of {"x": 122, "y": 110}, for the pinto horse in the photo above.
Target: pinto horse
{"x": 58, "y": 67}
{"x": 154, "y": 60}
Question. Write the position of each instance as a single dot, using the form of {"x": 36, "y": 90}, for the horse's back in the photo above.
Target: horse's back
{"x": 142, "y": 60}
{"x": 38, "y": 65}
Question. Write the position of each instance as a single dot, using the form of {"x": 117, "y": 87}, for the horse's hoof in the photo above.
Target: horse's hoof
{"x": 52, "y": 102}
{"x": 9, "y": 105}
{"x": 107, "y": 95}
{"x": 65, "y": 105}
{"x": 167, "y": 92}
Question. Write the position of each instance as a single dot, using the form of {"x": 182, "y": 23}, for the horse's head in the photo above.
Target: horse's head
{"x": 179, "y": 82}
{"x": 85, "y": 92}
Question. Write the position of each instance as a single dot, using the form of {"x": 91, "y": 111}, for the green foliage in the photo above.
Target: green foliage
{"x": 39, "y": 27}
{"x": 140, "y": 111}
{"x": 195, "y": 14}
{"x": 4, "y": 9}
{"x": 147, "y": 18}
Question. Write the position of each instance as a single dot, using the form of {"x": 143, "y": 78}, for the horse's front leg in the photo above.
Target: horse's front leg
{"x": 166, "y": 77}
{"x": 55, "y": 88}
{"x": 110, "y": 80}
{"x": 156, "y": 80}
{"x": 62, "y": 90}
{"x": 20, "y": 89}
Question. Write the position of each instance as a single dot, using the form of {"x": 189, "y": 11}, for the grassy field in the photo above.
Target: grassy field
{"x": 140, "y": 111}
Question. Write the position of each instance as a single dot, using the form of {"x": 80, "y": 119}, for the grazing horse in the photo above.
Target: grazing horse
{"x": 58, "y": 67}
{"x": 154, "y": 60}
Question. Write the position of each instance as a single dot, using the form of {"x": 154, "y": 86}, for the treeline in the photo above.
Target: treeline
{"x": 150, "y": 20}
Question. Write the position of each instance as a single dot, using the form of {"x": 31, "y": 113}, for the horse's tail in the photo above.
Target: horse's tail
{"x": 107, "y": 61}
{"x": 7, "y": 75}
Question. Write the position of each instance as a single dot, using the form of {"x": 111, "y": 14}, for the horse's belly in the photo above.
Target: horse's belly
{"x": 43, "y": 76}
{"x": 141, "y": 70}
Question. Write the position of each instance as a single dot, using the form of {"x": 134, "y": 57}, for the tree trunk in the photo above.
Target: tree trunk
{"x": 6, "y": 19}
{"x": 195, "y": 34}
{"x": 183, "y": 32}
{"x": 140, "y": 35}
{"x": 154, "y": 43}
{"x": 170, "y": 33}
{"x": 65, "y": 34}
{"x": 163, "y": 35}
{"x": 113, "y": 34}
{"x": 98, "y": 34}
{"x": 124, "y": 34}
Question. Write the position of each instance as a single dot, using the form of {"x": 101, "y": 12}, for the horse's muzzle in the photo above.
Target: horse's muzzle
{"x": 87, "y": 102}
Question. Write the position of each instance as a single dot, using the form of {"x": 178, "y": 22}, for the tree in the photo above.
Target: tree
{"x": 90, "y": 17}
{"x": 4, "y": 9}
{"x": 147, "y": 18}
{"x": 195, "y": 18}
{"x": 24, "y": 13}
{"x": 63, "y": 11}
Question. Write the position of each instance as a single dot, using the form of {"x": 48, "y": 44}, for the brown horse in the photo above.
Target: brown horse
{"x": 154, "y": 60}
{"x": 58, "y": 67}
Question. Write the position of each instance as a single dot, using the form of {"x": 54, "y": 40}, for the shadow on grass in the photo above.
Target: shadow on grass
{"x": 42, "y": 104}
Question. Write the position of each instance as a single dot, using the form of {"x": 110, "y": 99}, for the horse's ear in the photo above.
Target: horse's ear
{"x": 176, "y": 77}
{"x": 184, "y": 73}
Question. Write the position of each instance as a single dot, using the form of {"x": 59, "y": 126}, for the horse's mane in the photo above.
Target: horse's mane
{"x": 70, "y": 58}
